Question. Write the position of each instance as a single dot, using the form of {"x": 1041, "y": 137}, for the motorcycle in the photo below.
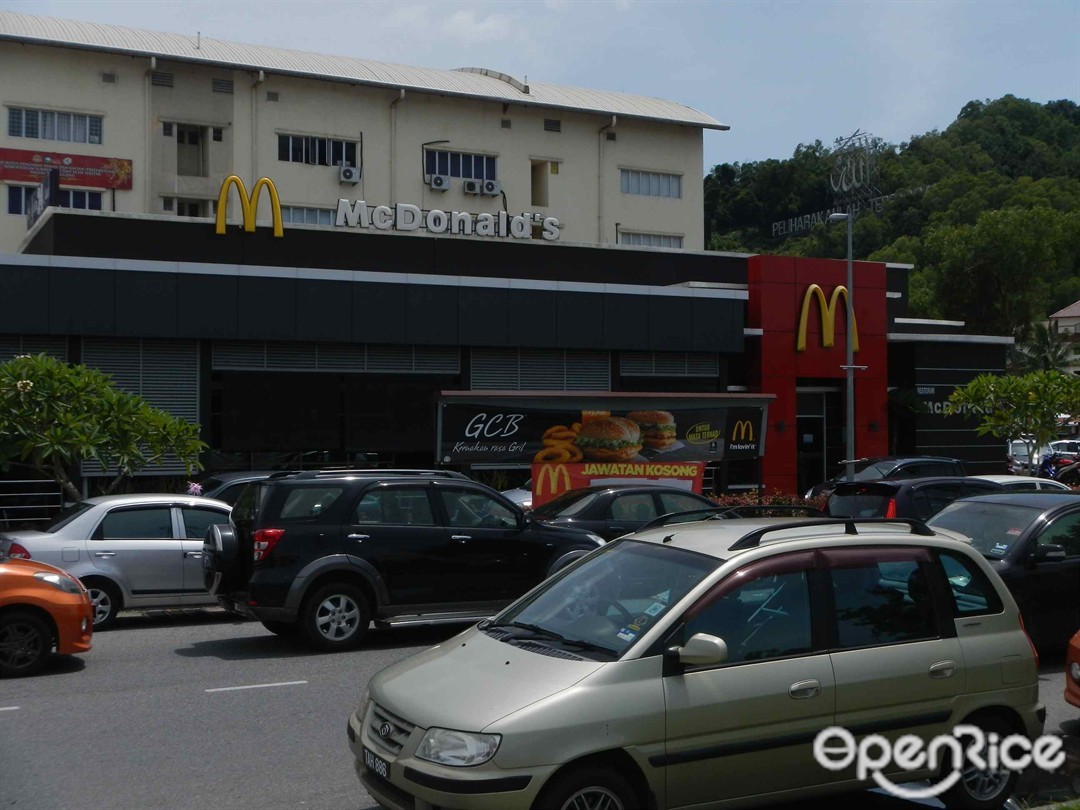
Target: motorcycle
{"x": 1055, "y": 465}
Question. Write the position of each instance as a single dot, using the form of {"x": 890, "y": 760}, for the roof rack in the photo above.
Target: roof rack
{"x": 753, "y": 539}
{"x": 324, "y": 473}
{"x": 730, "y": 512}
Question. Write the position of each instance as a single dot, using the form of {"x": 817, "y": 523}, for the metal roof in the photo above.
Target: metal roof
{"x": 478, "y": 83}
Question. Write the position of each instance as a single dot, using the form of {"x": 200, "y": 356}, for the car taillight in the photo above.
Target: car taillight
{"x": 890, "y": 509}
{"x": 1032, "y": 643}
{"x": 265, "y": 540}
{"x": 19, "y": 552}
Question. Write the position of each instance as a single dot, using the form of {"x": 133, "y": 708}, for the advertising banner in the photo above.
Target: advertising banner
{"x": 514, "y": 434}
{"x": 25, "y": 166}
{"x": 550, "y": 480}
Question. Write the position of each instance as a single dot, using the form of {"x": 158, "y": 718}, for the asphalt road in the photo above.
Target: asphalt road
{"x": 157, "y": 716}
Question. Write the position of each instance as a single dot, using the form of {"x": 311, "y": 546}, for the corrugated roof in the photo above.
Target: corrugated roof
{"x": 1071, "y": 311}
{"x": 489, "y": 85}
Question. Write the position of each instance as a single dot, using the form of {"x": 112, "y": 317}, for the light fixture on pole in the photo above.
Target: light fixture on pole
{"x": 849, "y": 450}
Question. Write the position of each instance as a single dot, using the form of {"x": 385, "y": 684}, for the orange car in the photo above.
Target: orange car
{"x": 1072, "y": 671}
{"x": 41, "y": 609}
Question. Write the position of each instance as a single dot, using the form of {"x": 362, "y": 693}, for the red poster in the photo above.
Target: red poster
{"x": 25, "y": 166}
{"x": 554, "y": 478}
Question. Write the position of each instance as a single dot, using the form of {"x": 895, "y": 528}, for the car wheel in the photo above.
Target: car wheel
{"x": 336, "y": 617}
{"x": 597, "y": 788}
{"x": 106, "y": 600}
{"x": 221, "y": 560}
{"x": 26, "y": 641}
{"x": 982, "y": 789}
{"x": 284, "y": 629}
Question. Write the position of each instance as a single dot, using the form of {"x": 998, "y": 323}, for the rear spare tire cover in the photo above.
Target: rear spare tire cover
{"x": 221, "y": 559}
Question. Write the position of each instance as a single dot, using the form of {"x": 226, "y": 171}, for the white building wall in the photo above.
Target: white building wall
{"x": 390, "y": 131}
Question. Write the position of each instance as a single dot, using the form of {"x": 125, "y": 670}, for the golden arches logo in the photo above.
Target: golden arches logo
{"x": 828, "y": 317}
{"x": 553, "y": 474}
{"x": 249, "y": 205}
{"x": 743, "y": 431}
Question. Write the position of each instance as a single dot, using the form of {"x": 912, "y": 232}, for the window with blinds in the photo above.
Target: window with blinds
{"x": 540, "y": 370}
{"x": 669, "y": 364}
{"x": 242, "y": 355}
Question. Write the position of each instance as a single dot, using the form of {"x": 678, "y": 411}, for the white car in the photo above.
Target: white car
{"x": 521, "y": 495}
{"x": 1023, "y": 482}
{"x": 129, "y": 551}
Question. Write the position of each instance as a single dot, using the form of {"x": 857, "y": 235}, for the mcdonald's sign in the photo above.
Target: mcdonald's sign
{"x": 828, "y": 317}
{"x": 743, "y": 431}
{"x": 550, "y": 480}
{"x": 249, "y": 204}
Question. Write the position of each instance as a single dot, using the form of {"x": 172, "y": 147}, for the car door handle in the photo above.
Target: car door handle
{"x": 104, "y": 553}
{"x": 196, "y": 555}
{"x": 461, "y": 538}
{"x": 359, "y": 536}
{"x": 942, "y": 669}
{"x": 805, "y": 689}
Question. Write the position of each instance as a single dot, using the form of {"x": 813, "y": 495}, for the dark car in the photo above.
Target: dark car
{"x": 1032, "y": 539}
{"x": 918, "y": 498}
{"x": 617, "y": 509}
{"x": 227, "y": 486}
{"x": 324, "y": 553}
{"x": 872, "y": 469}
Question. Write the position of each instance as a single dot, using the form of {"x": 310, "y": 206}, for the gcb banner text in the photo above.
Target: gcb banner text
{"x": 552, "y": 479}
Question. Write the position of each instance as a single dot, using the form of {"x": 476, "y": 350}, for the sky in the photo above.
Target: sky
{"x": 778, "y": 73}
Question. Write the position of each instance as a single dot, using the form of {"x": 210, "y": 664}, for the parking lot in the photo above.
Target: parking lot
{"x": 196, "y": 709}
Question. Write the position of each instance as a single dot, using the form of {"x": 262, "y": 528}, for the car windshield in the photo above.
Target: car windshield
{"x": 859, "y": 503}
{"x": 872, "y": 471}
{"x": 68, "y": 515}
{"x": 601, "y": 606}
{"x": 569, "y": 503}
{"x": 992, "y": 527}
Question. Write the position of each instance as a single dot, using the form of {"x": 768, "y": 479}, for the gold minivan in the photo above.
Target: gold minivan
{"x": 695, "y": 664}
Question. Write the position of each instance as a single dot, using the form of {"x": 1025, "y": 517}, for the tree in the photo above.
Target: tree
{"x": 1025, "y": 407}
{"x": 54, "y": 415}
{"x": 1046, "y": 351}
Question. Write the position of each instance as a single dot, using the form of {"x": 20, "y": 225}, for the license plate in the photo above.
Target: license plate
{"x": 376, "y": 764}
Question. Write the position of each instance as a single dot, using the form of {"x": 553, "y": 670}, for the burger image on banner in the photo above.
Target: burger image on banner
{"x": 657, "y": 428}
{"x": 612, "y": 438}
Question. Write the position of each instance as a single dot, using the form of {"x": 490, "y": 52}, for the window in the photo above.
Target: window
{"x": 136, "y": 524}
{"x": 672, "y": 502}
{"x": 221, "y": 86}
{"x": 661, "y": 240}
{"x": 972, "y": 593}
{"x": 552, "y": 125}
{"x": 316, "y": 151}
{"x": 637, "y": 508}
{"x": 762, "y": 612}
{"x": 396, "y": 506}
{"x": 460, "y": 164}
{"x": 19, "y": 199}
{"x": 198, "y": 521}
{"x": 475, "y": 510}
{"x": 1064, "y": 531}
{"x": 303, "y": 502}
{"x": 884, "y": 601}
{"x": 650, "y": 184}
{"x": 49, "y": 125}
{"x": 298, "y": 215}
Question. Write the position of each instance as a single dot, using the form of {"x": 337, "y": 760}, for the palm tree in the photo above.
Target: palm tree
{"x": 1046, "y": 351}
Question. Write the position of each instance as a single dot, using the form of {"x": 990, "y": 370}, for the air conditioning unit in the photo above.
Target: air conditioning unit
{"x": 472, "y": 186}
{"x": 491, "y": 188}
{"x": 348, "y": 174}
{"x": 439, "y": 182}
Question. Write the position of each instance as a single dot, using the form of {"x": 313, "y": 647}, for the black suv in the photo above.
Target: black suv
{"x": 873, "y": 469}
{"x": 919, "y": 498}
{"x": 324, "y": 553}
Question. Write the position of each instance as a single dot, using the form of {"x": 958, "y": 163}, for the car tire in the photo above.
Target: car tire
{"x": 980, "y": 790}
{"x": 106, "y": 600}
{"x": 283, "y": 629}
{"x": 26, "y": 642}
{"x": 587, "y": 788}
{"x": 335, "y": 617}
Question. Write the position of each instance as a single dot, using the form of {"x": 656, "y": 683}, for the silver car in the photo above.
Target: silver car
{"x": 695, "y": 665}
{"x": 130, "y": 551}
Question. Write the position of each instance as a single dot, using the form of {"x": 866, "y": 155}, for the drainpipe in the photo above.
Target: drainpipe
{"x": 393, "y": 144}
{"x": 254, "y": 126}
{"x": 600, "y": 181}
{"x": 148, "y": 194}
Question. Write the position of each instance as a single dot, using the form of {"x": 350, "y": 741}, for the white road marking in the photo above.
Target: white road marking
{"x": 255, "y": 686}
{"x": 8, "y": 708}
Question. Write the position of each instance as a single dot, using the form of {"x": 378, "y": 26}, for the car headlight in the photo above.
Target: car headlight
{"x": 596, "y": 539}
{"x": 63, "y": 582}
{"x": 457, "y": 748}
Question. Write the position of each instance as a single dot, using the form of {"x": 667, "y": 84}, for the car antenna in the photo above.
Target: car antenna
{"x": 669, "y": 538}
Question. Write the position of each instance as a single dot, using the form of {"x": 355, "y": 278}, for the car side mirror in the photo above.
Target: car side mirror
{"x": 702, "y": 650}
{"x": 1049, "y": 551}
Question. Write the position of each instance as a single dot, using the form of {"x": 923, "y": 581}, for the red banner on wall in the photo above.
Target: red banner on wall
{"x": 25, "y": 166}
{"x": 552, "y": 479}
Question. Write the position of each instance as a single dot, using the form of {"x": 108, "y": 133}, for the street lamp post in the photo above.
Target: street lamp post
{"x": 850, "y": 366}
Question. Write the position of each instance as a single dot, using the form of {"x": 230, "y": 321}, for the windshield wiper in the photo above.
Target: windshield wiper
{"x": 551, "y": 635}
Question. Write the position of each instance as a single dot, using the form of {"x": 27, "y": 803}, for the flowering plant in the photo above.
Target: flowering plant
{"x": 194, "y": 488}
